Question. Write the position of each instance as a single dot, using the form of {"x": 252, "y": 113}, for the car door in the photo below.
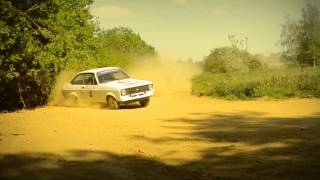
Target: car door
{"x": 88, "y": 91}
{"x": 78, "y": 86}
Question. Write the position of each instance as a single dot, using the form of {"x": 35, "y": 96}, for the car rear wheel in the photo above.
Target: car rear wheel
{"x": 112, "y": 103}
{"x": 72, "y": 100}
{"x": 144, "y": 102}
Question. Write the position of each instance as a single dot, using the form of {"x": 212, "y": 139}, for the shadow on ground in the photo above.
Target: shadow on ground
{"x": 109, "y": 167}
{"x": 253, "y": 147}
{"x": 250, "y": 145}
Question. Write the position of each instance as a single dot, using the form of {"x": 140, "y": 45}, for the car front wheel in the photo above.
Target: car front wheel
{"x": 112, "y": 103}
{"x": 144, "y": 102}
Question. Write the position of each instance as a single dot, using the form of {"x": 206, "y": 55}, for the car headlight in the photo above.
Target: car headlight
{"x": 150, "y": 86}
{"x": 123, "y": 92}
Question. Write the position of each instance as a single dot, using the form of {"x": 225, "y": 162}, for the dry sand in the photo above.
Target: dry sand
{"x": 178, "y": 136}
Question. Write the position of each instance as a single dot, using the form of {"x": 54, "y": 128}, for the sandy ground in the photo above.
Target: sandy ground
{"x": 178, "y": 136}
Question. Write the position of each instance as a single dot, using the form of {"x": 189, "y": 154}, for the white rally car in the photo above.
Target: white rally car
{"x": 109, "y": 85}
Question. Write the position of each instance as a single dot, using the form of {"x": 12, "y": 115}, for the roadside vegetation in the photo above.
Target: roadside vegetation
{"x": 279, "y": 83}
{"x": 234, "y": 73}
{"x": 39, "y": 39}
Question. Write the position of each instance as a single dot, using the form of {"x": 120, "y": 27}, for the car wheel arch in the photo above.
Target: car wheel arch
{"x": 72, "y": 99}
{"x": 109, "y": 94}
{"x": 74, "y": 94}
{"x": 112, "y": 102}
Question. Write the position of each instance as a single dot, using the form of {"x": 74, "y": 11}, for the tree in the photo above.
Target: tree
{"x": 301, "y": 40}
{"x": 290, "y": 40}
{"x": 39, "y": 38}
{"x": 309, "y": 49}
{"x": 241, "y": 44}
{"x": 120, "y": 45}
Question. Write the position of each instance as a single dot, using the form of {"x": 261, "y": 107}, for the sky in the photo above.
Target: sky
{"x": 186, "y": 29}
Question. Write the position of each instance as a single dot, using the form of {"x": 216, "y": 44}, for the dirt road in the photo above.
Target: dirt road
{"x": 178, "y": 136}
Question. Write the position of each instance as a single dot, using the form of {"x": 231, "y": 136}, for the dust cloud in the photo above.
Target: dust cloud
{"x": 169, "y": 77}
{"x": 56, "y": 98}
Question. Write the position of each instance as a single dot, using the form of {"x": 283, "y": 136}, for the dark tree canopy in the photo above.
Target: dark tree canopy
{"x": 38, "y": 39}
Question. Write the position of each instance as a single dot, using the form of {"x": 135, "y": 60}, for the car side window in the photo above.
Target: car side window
{"x": 90, "y": 79}
{"x": 78, "y": 80}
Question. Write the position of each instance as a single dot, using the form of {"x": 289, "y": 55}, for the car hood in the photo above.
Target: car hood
{"x": 126, "y": 83}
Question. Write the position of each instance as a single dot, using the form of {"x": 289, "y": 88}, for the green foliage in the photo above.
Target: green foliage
{"x": 230, "y": 59}
{"x": 125, "y": 41}
{"x": 119, "y": 46}
{"x": 301, "y": 40}
{"x": 278, "y": 83}
{"x": 40, "y": 38}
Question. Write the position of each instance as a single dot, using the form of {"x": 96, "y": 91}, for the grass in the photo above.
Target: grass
{"x": 277, "y": 83}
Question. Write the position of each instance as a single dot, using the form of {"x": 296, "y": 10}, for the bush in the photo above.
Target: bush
{"x": 231, "y": 59}
{"x": 278, "y": 83}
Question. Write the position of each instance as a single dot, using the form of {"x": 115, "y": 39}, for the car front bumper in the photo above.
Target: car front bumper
{"x": 135, "y": 97}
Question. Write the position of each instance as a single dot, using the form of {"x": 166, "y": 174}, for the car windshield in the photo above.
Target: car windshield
{"x": 113, "y": 75}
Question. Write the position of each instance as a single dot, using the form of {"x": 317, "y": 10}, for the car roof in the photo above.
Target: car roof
{"x": 99, "y": 69}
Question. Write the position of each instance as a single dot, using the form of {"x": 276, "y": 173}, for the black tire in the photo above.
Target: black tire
{"x": 145, "y": 102}
{"x": 112, "y": 103}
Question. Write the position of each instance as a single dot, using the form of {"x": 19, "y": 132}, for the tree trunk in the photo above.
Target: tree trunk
{"x": 314, "y": 56}
{"x": 20, "y": 95}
